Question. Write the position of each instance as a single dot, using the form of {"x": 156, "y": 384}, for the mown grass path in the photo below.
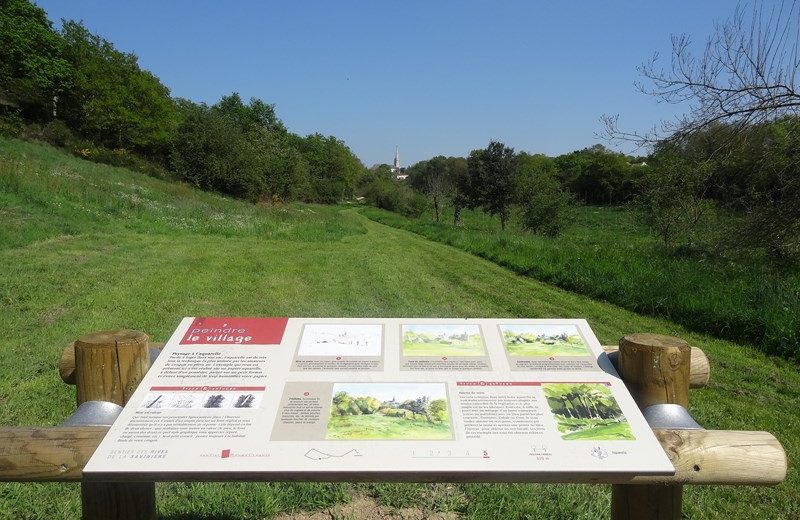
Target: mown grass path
{"x": 53, "y": 290}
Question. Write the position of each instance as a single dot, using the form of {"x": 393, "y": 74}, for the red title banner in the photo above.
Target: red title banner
{"x": 235, "y": 331}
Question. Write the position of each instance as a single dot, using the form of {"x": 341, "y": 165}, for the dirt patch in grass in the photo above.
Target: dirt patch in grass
{"x": 366, "y": 508}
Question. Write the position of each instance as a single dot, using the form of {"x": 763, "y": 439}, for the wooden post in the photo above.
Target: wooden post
{"x": 108, "y": 367}
{"x": 656, "y": 371}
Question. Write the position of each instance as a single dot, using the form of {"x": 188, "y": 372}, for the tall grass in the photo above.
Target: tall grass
{"x": 734, "y": 294}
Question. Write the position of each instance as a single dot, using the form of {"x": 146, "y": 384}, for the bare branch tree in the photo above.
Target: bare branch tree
{"x": 746, "y": 74}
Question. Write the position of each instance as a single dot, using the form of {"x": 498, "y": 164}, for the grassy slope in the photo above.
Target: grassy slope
{"x": 735, "y": 294}
{"x": 62, "y": 275}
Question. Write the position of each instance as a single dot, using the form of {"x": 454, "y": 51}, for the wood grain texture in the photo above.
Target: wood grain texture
{"x": 66, "y": 363}
{"x": 699, "y": 456}
{"x": 724, "y": 457}
{"x": 699, "y": 366}
{"x": 109, "y": 365}
{"x": 47, "y": 454}
{"x": 655, "y": 369}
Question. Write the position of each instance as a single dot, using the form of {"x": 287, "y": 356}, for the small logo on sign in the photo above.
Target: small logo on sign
{"x": 599, "y": 453}
{"x": 226, "y": 454}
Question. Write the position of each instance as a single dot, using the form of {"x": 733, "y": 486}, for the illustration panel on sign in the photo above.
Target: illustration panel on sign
{"x": 442, "y": 340}
{"x": 323, "y": 339}
{"x": 587, "y": 412}
{"x": 523, "y": 340}
{"x": 402, "y": 411}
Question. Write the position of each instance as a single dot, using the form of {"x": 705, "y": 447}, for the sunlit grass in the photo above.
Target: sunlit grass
{"x": 65, "y": 272}
{"x": 606, "y": 254}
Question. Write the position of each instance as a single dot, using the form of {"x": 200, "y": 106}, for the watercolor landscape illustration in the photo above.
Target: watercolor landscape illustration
{"x": 522, "y": 340}
{"x": 387, "y": 411}
{"x": 587, "y": 411}
{"x": 338, "y": 339}
{"x": 442, "y": 340}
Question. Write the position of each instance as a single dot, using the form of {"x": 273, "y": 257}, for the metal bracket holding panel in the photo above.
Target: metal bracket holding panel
{"x": 670, "y": 416}
{"x": 94, "y": 413}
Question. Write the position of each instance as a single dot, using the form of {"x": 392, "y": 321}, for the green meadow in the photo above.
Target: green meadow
{"x": 537, "y": 347}
{"x": 472, "y": 346}
{"x": 381, "y": 427}
{"x": 713, "y": 286}
{"x": 87, "y": 247}
{"x": 606, "y": 431}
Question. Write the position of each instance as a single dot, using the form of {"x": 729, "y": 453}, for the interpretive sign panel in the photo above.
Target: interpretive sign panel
{"x": 494, "y": 400}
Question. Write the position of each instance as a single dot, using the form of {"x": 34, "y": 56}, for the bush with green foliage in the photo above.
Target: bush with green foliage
{"x": 392, "y": 195}
{"x": 597, "y": 175}
{"x": 545, "y": 206}
{"x": 672, "y": 200}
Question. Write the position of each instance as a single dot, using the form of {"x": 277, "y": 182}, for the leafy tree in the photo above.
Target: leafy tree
{"x": 489, "y": 183}
{"x": 333, "y": 169}
{"x": 257, "y": 115}
{"x": 436, "y": 178}
{"x": 367, "y": 405}
{"x": 33, "y": 72}
{"x": 545, "y": 204}
{"x": 418, "y": 406}
{"x": 438, "y": 410}
{"x": 281, "y": 167}
{"x": 743, "y": 81}
{"x": 597, "y": 175}
{"x": 112, "y": 100}
{"x": 774, "y": 189}
{"x": 341, "y": 403}
{"x": 213, "y": 154}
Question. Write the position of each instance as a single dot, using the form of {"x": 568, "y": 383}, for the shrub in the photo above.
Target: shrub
{"x": 56, "y": 133}
{"x": 393, "y": 196}
{"x": 672, "y": 199}
{"x": 545, "y": 206}
{"x": 10, "y": 123}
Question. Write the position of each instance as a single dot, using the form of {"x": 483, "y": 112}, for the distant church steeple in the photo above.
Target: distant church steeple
{"x": 397, "y": 170}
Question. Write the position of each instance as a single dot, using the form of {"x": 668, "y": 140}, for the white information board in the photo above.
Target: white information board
{"x": 492, "y": 400}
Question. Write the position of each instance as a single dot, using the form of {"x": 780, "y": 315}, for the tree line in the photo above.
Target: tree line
{"x": 432, "y": 410}
{"x": 73, "y": 88}
{"x": 752, "y": 173}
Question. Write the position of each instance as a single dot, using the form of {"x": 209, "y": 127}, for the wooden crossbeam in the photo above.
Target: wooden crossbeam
{"x": 699, "y": 456}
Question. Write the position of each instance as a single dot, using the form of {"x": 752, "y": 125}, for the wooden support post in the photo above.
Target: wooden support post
{"x": 108, "y": 367}
{"x": 656, "y": 371}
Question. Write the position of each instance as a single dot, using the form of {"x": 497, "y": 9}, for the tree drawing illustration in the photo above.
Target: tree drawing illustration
{"x": 586, "y": 411}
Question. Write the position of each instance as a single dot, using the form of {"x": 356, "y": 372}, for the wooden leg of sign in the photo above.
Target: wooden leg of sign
{"x": 118, "y": 501}
{"x": 650, "y": 502}
{"x": 108, "y": 367}
{"x": 656, "y": 371}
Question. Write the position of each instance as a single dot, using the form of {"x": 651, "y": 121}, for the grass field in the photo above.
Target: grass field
{"x": 78, "y": 252}
{"x": 574, "y": 346}
{"x": 468, "y": 348}
{"x": 377, "y": 426}
{"x": 427, "y": 345}
{"x": 608, "y": 431}
{"x": 608, "y": 255}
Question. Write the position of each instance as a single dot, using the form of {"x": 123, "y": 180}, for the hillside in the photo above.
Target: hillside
{"x": 88, "y": 247}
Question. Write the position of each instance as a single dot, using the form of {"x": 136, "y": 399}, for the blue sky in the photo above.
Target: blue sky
{"x": 439, "y": 77}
